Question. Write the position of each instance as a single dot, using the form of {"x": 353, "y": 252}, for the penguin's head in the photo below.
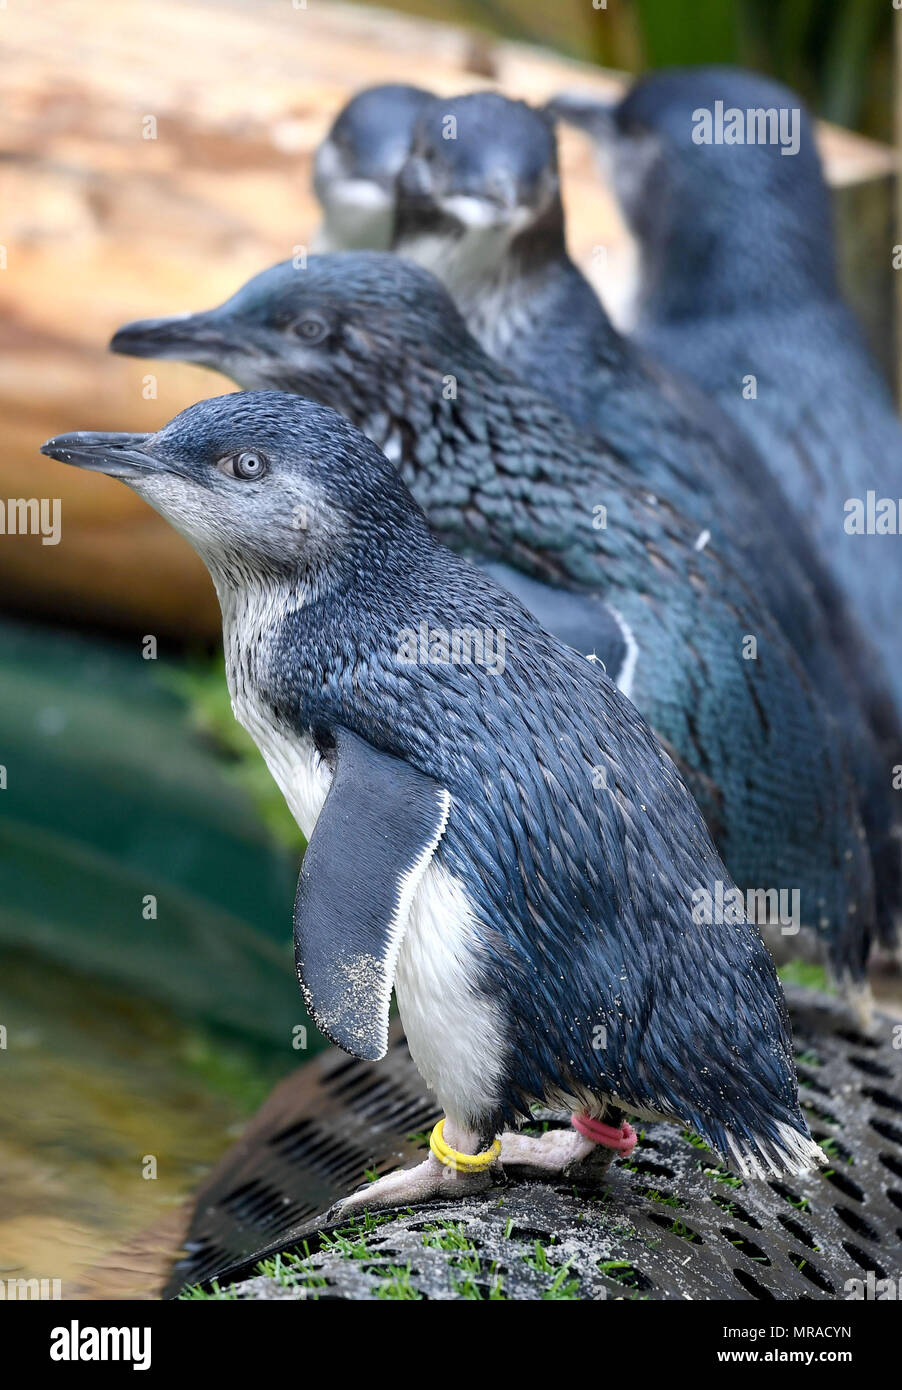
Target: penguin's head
{"x": 356, "y": 165}
{"x": 711, "y": 163}
{"x": 363, "y": 331}
{"x": 480, "y": 166}
{"x": 260, "y": 483}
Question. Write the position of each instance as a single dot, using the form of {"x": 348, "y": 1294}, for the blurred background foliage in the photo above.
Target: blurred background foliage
{"x": 836, "y": 53}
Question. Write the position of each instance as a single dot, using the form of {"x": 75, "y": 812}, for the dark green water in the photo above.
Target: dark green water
{"x": 134, "y": 1044}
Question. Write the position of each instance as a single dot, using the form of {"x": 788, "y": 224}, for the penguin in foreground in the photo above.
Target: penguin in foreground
{"x": 739, "y": 290}
{"x": 506, "y": 478}
{"x": 356, "y": 165}
{"x": 501, "y": 839}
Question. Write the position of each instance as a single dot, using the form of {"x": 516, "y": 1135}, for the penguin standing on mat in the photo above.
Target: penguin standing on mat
{"x": 493, "y": 829}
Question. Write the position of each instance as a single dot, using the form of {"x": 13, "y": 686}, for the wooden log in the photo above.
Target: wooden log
{"x": 155, "y": 156}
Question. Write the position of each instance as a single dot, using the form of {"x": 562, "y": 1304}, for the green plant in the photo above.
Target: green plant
{"x": 215, "y": 1293}
{"x": 806, "y": 975}
{"x": 396, "y": 1284}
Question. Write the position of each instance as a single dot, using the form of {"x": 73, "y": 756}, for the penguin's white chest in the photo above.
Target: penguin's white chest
{"x": 455, "y": 1034}
{"x": 294, "y": 762}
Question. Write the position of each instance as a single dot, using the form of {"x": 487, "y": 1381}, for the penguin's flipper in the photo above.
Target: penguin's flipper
{"x": 583, "y": 621}
{"x": 377, "y": 832}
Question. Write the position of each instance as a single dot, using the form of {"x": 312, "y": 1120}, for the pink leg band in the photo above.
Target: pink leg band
{"x": 622, "y": 1140}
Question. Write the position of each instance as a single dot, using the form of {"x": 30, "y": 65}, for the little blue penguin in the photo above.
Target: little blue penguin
{"x": 483, "y": 211}
{"x": 506, "y": 265}
{"x": 537, "y": 921}
{"x": 355, "y": 166}
{"x": 605, "y": 563}
{"x": 739, "y": 289}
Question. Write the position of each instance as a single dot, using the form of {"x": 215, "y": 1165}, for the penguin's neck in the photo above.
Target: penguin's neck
{"x": 500, "y": 282}
{"x": 349, "y": 226}
{"x": 286, "y": 635}
{"x": 528, "y": 306}
{"x": 253, "y": 615}
{"x": 253, "y": 605}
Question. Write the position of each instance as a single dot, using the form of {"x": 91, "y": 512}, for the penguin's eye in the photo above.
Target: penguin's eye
{"x": 310, "y": 329}
{"x": 248, "y": 465}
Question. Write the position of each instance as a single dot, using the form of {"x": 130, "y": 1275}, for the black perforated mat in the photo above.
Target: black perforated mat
{"x": 670, "y": 1223}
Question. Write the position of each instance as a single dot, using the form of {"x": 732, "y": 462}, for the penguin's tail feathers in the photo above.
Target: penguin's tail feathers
{"x": 791, "y": 1153}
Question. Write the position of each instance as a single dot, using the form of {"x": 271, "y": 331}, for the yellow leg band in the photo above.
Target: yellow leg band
{"x": 463, "y": 1163}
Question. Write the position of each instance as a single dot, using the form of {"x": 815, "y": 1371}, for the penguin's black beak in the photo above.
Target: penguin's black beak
{"x": 197, "y": 338}
{"x": 589, "y": 113}
{"x": 120, "y": 455}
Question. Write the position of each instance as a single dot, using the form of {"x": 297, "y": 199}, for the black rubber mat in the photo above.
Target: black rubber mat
{"x": 673, "y": 1223}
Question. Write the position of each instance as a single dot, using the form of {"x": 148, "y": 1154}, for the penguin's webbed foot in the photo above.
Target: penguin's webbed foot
{"x": 558, "y": 1151}
{"x": 429, "y": 1181}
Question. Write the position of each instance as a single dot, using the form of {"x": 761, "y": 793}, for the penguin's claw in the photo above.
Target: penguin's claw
{"x": 408, "y": 1187}
{"x": 562, "y": 1151}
